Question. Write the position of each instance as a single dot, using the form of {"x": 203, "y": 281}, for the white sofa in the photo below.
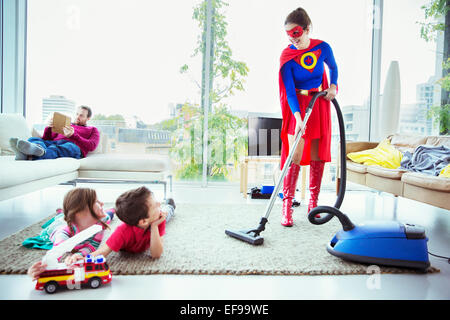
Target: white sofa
{"x": 20, "y": 177}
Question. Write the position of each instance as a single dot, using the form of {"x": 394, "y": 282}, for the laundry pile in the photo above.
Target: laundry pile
{"x": 425, "y": 158}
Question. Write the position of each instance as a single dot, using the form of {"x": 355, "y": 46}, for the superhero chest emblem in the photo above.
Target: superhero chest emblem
{"x": 308, "y": 60}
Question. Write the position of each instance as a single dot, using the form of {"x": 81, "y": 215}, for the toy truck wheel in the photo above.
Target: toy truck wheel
{"x": 51, "y": 287}
{"x": 95, "y": 283}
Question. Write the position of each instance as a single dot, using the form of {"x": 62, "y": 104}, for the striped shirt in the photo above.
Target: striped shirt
{"x": 86, "y": 247}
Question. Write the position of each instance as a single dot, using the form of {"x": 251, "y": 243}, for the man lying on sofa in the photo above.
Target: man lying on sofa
{"x": 78, "y": 139}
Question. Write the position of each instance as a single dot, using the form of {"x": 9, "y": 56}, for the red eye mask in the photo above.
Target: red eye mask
{"x": 295, "y": 32}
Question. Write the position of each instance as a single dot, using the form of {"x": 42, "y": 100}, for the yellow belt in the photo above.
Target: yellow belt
{"x": 308, "y": 92}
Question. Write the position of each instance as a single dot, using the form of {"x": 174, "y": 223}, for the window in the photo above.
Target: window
{"x": 261, "y": 43}
{"x": 420, "y": 64}
{"x": 348, "y": 117}
{"x": 13, "y": 49}
{"x": 119, "y": 58}
{"x": 121, "y": 64}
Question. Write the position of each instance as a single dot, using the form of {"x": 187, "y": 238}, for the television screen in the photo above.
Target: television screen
{"x": 264, "y": 136}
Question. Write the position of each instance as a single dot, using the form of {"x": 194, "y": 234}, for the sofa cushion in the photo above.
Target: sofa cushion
{"x": 407, "y": 142}
{"x": 426, "y": 181}
{"x": 14, "y": 172}
{"x": 356, "y": 167}
{"x": 395, "y": 174}
{"x": 12, "y": 125}
{"x": 438, "y": 141}
{"x": 125, "y": 162}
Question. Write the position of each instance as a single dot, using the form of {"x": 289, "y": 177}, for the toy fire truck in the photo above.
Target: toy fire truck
{"x": 93, "y": 271}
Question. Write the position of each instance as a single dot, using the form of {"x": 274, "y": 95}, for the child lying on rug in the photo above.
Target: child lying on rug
{"x": 81, "y": 210}
{"x": 143, "y": 225}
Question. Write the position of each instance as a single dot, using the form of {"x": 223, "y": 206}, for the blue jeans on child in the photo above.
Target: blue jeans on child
{"x": 169, "y": 210}
{"x": 56, "y": 149}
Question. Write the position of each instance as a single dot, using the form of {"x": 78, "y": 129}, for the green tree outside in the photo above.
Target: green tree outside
{"x": 435, "y": 11}
{"x": 227, "y": 133}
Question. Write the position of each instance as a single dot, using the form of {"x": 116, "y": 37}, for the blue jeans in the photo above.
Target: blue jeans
{"x": 56, "y": 149}
{"x": 169, "y": 210}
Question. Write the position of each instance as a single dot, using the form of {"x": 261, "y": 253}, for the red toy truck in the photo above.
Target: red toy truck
{"x": 93, "y": 271}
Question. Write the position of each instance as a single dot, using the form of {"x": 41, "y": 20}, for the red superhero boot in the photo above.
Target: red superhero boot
{"x": 315, "y": 180}
{"x": 289, "y": 186}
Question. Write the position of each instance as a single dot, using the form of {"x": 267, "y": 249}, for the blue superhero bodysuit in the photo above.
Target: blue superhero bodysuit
{"x": 306, "y": 71}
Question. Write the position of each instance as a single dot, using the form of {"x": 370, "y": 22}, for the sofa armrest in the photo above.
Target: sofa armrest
{"x": 355, "y": 146}
{"x": 351, "y": 146}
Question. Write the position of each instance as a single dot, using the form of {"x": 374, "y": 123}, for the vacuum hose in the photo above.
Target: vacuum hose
{"x": 333, "y": 211}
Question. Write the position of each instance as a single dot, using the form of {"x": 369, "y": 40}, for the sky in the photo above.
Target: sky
{"x": 124, "y": 56}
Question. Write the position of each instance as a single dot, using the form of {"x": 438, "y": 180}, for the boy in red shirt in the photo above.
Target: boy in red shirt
{"x": 144, "y": 224}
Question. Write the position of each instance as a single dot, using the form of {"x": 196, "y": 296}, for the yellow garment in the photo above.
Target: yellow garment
{"x": 445, "y": 172}
{"x": 384, "y": 155}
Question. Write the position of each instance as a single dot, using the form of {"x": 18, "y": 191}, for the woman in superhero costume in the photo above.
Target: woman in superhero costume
{"x": 302, "y": 73}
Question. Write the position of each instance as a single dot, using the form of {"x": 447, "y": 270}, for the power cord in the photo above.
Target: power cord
{"x": 435, "y": 255}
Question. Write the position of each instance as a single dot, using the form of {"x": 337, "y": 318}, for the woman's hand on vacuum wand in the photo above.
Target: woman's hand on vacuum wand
{"x": 298, "y": 123}
{"x": 331, "y": 92}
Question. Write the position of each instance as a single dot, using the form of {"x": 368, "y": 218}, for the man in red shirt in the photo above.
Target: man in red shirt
{"x": 78, "y": 139}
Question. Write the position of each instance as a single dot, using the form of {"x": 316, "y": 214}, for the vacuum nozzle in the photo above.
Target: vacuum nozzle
{"x": 250, "y": 236}
{"x": 246, "y": 235}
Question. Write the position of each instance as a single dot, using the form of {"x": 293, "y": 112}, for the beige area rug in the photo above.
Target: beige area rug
{"x": 196, "y": 243}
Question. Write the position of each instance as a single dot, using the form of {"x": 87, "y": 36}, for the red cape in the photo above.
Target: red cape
{"x": 287, "y": 55}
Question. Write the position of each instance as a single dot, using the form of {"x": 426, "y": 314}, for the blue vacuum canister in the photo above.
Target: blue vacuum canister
{"x": 390, "y": 243}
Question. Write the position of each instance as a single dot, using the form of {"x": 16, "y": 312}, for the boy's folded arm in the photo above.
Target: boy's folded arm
{"x": 156, "y": 243}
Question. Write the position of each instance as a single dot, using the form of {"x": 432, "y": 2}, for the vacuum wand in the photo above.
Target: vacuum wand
{"x": 287, "y": 163}
{"x": 252, "y": 236}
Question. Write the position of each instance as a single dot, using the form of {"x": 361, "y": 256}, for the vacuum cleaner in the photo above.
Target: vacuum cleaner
{"x": 389, "y": 243}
